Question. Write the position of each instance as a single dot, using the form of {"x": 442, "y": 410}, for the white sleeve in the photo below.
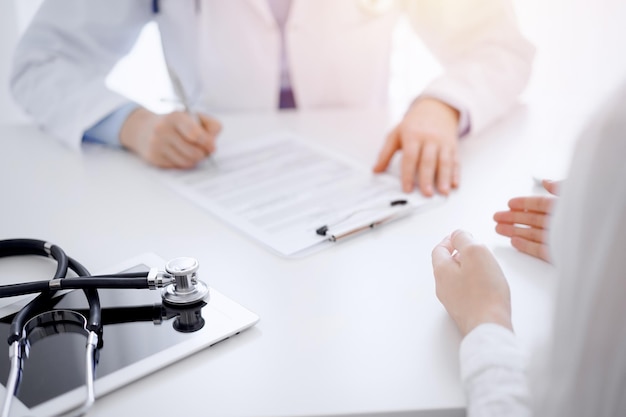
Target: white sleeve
{"x": 493, "y": 373}
{"x": 61, "y": 62}
{"x": 485, "y": 58}
{"x": 586, "y": 372}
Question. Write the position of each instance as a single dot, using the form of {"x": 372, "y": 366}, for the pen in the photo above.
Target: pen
{"x": 180, "y": 92}
{"x": 349, "y": 232}
{"x": 325, "y": 229}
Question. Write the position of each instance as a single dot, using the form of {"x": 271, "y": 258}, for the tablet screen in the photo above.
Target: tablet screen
{"x": 137, "y": 326}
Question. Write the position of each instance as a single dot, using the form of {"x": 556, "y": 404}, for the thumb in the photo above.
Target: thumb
{"x": 392, "y": 144}
{"x": 552, "y": 187}
{"x": 461, "y": 239}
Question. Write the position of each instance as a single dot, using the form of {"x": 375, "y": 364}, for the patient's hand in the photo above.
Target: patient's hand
{"x": 527, "y": 221}
{"x": 470, "y": 283}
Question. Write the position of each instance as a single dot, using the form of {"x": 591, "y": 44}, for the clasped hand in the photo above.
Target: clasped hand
{"x": 470, "y": 284}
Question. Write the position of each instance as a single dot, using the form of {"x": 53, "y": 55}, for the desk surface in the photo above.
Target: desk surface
{"x": 354, "y": 329}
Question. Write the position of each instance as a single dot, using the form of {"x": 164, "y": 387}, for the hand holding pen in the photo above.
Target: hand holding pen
{"x": 174, "y": 140}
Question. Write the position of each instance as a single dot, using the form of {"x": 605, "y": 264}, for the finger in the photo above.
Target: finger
{"x": 185, "y": 125}
{"x": 528, "y": 233}
{"x": 456, "y": 169}
{"x": 442, "y": 253}
{"x": 538, "y": 250}
{"x": 183, "y": 154}
{"x": 186, "y": 140}
{"x": 427, "y": 167}
{"x": 445, "y": 168}
{"x": 391, "y": 146}
{"x": 462, "y": 239}
{"x": 408, "y": 166}
{"x": 536, "y": 220}
{"x": 207, "y": 143}
{"x": 552, "y": 187}
{"x": 192, "y": 131}
{"x": 211, "y": 125}
{"x": 171, "y": 159}
{"x": 536, "y": 204}
{"x": 164, "y": 146}
{"x": 160, "y": 159}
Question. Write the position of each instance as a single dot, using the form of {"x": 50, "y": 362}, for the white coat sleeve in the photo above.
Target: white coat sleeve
{"x": 61, "y": 62}
{"x": 486, "y": 60}
{"x": 493, "y": 373}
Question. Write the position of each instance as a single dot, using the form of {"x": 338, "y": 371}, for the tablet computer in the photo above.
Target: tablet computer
{"x": 140, "y": 335}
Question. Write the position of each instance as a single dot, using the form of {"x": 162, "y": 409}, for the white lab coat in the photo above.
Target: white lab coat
{"x": 227, "y": 54}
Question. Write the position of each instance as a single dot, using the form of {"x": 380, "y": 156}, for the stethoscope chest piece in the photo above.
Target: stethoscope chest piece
{"x": 187, "y": 288}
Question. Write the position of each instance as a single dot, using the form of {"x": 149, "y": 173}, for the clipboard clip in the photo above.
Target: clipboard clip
{"x": 325, "y": 229}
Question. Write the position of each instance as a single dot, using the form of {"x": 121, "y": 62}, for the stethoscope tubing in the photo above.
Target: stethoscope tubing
{"x": 93, "y": 325}
{"x": 179, "y": 283}
{"x": 82, "y": 282}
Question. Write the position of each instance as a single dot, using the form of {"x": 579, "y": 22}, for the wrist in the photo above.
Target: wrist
{"x": 499, "y": 316}
{"x": 434, "y": 105}
{"x": 135, "y": 127}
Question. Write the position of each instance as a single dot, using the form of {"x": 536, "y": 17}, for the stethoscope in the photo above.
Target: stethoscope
{"x": 179, "y": 286}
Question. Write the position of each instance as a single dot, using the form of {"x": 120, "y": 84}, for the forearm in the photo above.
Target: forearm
{"x": 60, "y": 64}
{"x": 486, "y": 87}
{"x": 61, "y": 105}
{"x": 493, "y": 374}
{"x": 485, "y": 58}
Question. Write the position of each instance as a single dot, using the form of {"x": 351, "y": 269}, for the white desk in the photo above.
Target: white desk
{"x": 355, "y": 329}
{"x": 352, "y": 330}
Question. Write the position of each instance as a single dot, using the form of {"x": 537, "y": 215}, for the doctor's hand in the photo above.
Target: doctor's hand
{"x": 526, "y": 222}
{"x": 470, "y": 284}
{"x": 427, "y": 136}
{"x": 174, "y": 140}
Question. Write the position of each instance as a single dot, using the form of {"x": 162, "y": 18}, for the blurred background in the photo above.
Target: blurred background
{"x": 580, "y": 58}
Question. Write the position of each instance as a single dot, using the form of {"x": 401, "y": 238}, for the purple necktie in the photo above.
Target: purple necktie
{"x": 280, "y": 10}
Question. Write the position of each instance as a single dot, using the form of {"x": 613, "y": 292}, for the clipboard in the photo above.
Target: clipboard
{"x": 282, "y": 191}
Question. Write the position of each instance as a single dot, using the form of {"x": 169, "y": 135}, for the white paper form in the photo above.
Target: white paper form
{"x": 280, "y": 189}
